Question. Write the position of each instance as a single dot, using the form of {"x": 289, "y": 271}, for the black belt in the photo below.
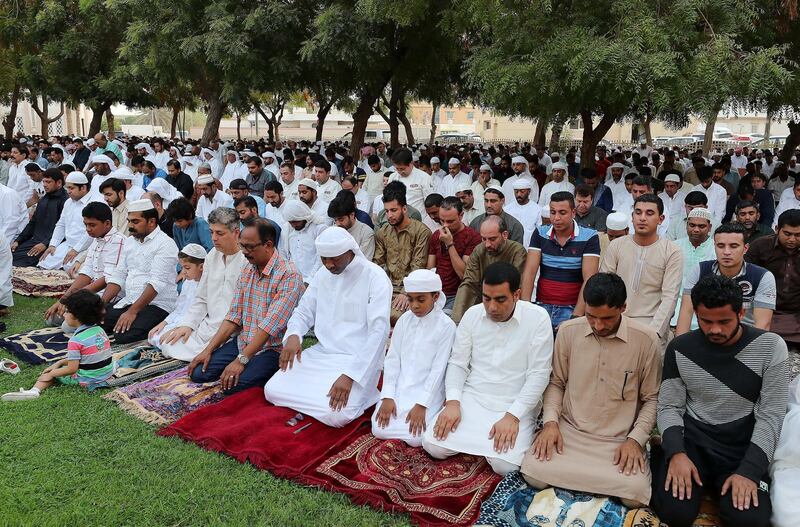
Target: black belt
{"x": 96, "y": 365}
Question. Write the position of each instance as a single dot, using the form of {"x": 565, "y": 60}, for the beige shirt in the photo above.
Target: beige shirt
{"x": 652, "y": 276}
{"x": 119, "y": 218}
{"x": 365, "y": 238}
{"x": 610, "y": 389}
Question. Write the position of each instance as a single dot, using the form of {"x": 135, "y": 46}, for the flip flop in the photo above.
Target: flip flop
{"x": 9, "y": 366}
{"x": 21, "y": 395}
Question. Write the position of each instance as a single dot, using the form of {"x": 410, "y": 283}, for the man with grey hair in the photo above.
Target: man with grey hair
{"x": 214, "y": 295}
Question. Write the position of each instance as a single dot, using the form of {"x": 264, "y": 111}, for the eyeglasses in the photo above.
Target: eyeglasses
{"x": 248, "y": 248}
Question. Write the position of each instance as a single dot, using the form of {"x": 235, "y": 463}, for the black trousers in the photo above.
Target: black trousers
{"x": 147, "y": 319}
{"x": 20, "y": 255}
{"x": 713, "y": 473}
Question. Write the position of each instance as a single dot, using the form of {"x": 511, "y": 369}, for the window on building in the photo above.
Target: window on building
{"x": 487, "y": 125}
{"x": 450, "y": 115}
{"x": 753, "y": 127}
{"x": 470, "y": 116}
{"x": 575, "y": 124}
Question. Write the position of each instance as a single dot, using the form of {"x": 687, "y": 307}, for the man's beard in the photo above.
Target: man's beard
{"x": 398, "y": 221}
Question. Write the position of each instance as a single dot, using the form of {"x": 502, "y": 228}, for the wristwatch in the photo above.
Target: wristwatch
{"x": 243, "y": 359}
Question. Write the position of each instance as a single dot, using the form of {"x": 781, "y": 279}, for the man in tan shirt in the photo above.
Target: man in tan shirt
{"x": 401, "y": 246}
{"x": 600, "y": 405}
{"x": 651, "y": 267}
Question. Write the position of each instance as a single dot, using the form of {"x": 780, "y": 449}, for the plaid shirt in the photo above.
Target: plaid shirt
{"x": 264, "y": 300}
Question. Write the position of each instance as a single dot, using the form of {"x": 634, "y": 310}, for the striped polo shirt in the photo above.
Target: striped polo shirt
{"x": 560, "y": 271}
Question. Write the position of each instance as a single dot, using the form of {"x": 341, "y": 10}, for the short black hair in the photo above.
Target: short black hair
{"x": 728, "y": 228}
{"x": 695, "y": 198}
{"x": 266, "y": 231}
{"x": 174, "y": 163}
{"x": 323, "y": 164}
{"x": 605, "y": 289}
{"x": 402, "y": 156}
{"x": 97, "y": 211}
{"x": 33, "y": 167}
{"x": 789, "y": 218}
{"x": 563, "y": 196}
{"x": 86, "y": 306}
{"x": 705, "y": 173}
{"x": 434, "y": 200}
{"x": 643, "y": 181}
{"x": 254, "y": 159}
{"x": 588, "y": 173}
{"x": 137, "y": 160}
{"x": 247, "y": 201}
{"x": 395, "y": 191}
{"x": 274, "y": 186}
{"x": 117, "y": 185}
{"x": 341, "y": 206}
{"x": 500, "y": 273}
{"x": 373, "y": 160}
{"x": 584, "y": 191}
{"x": 238, "y": 184}
{"x": 180, "y": 209}
{"x": 452, "y": 202}
{"x": 650, "y": 198}
{"x": 714, "y": 291}
{"x": 746, "y": 204}
{"x": 54, "y": 174}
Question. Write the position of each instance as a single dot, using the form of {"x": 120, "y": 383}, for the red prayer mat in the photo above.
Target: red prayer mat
{"x": 387, "y": 475}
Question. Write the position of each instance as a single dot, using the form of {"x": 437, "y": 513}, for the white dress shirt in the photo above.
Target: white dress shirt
{"x": 290, "y": 189}
{"x": 205, "y": 205}
{"x": 418, "y": 187}
{"x": 786, "y": 203}
{"x": 301, "y": 249}
{"x": 449, "y": 184}
{"x": 69, "y": 228}
{"x": 103, "y": 256}
{"x": 717, "y": 200}
{"x": 328, "y": 190}
{"x": 548, "y": 190}
{"x": 13, "y": 213}
{"x": 153, "y": 262}
{"x": 508, "y": 188}
{"x": 19, "y": 180}
{"x": 529, "y": 215}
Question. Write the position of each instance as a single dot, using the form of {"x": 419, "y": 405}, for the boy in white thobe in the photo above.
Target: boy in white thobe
{"x": 347, "y": 304}
{"x": 69, "y": 236}
{"x": 498, "y": 369}
{"x": 413, "y": 372}
{"x": 297, "y": 244}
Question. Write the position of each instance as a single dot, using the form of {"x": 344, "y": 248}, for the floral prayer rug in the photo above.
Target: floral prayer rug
{"x": 32, "y": 281}
{"x": 139, "y": 363}
{"x": 38, "y": 346}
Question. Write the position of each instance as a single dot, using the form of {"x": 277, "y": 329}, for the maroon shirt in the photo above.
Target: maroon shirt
{"x": 465, "y": 242}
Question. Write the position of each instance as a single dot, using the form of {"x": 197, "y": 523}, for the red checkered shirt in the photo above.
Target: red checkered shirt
{"x": 264, "y": 300}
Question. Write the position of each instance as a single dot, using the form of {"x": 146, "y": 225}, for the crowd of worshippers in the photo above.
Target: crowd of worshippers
{"x": 655, "y": 290}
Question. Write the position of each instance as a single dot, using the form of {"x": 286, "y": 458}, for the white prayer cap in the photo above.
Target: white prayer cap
{"x": 268, "y": 154}
{"x": 618, "y": 165}
{"x": 701, "y": 213}
{"x": 494, "y": 188}
{"x": 123, "y": 172}
{"x": 453, "y": 162}
{"x": 555, "y": 154}
{"x": 560, "y": 165}
{"x": 335, "y": 241}
{"x": 102, "y": 159}
{"x": 423, "y": 148}
{"x": 23, "y": 141}
{"x": 414, "y": 157}
{"x": 77, "y": 178}
{"x": 308, "y": 182}
{"x": 793, "y": 158}
{"x": 476, "y": 151}
{"x": 194, "y": 250}
{"x": 422, "y": 281}
{"x": 497, "y": 160}
{"x": 296, "y": 210}
{"x": 188, "y": 151}
{"x": 522, "y": 183}
{"x": 485, "y": 168}
{"x": 674, "y": 178}
{"x": 617, "y": 221}
{"x": 463, "y": 187}
{"x": 140, "y": 205}
{"x": 90, "y": 142}
{"x": 248, "y": 153}
{"x": 519, "y": 159}
{"x": 435, "y": 159}
{"x": 207, "y": 151}
{"x": 142, "y": 145}
{"x": 205, "y": 179}
{"x": 759, "y": 151}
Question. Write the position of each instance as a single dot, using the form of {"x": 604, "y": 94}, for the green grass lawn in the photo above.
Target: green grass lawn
{"x": 72, "y": 458}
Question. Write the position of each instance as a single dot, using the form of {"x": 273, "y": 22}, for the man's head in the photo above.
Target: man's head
{"x": 747, "y": 214}
{"x": 730, "y": 246}
{"x": 500, "y": 290}
{"x": 307, "y": 191}
{"x": 522, "y": 190}
{"x": 238, "y": 188}
{"x": 350, "y": 183}
{"x": 342, "y": 209}
{"x": 648, "y": 213}
{"x": 493, "y": 201}
{"x": 695, "y": 199}
{"x": 717, "y": 302}
{"x": 394, "y": 203}
{"x": 494, "y": 233}
{"x": 432, "y": 204}
{"x": 224, "y": 225}
{"x": 451, "y": 214}
{"x": 206, "y": 186}
{"x": 142, "y": 218}
{"x": 466, "y": 197}
{"x": 97, "y": 219}
{"x": 789, "y": 229}
{"x": 698, "y": 226}
{"x": 672, "y": 183}
{"x": 254, "y": 166}
{"x": 706, "y": 176}
{"x": 717, "y": 172}
{"x": 759, "y": 181}
{"x": 52, "y": 180}
{"x": 604, "y": 296}
{"x": 287, "y": 172}
{"x": 113, "y": 191}
{"x": 173, "y": 168}
{"x": 584, "y": 197}
{"x": 257, "y": 242}
{"x": 562, "y": 211}
{"x": 640, "y": 186}
{"x": 181, "y": 212}
{"x": 454, "y": 166}
{"x": 590, "y": 178}
{"x": 34, "y": 171}
{"x": 322, "y": 171}
{"x": 101, "y": 140}
{"x": 403, "y": 161}
{"x": 19, "y": 153}
{"x": 273, "y": 193}
{"x": 336, "y": 248}
{"x": 559, "y": 172}
{"x": 246, "y": 207}
{"x": 519, "y": 164}
{"x": 77, "y": 185}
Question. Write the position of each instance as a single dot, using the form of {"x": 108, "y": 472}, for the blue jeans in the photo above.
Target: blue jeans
{"x": 558, "y": 314}
{"x": 257, "y": 372}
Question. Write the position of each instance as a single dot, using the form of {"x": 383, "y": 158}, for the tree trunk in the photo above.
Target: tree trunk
{"x": 270, "y": 125}
{"x": 173, "y": 126}
{"x": 768, "y": 127}
{"x": 406, "y": 123}
{"x": 9, "y": 121}
{"x": 216, "y": 109}
{"x": 393, "y": 119}
{"x": 97, "y": 118}
{"x": 645, "y": 126}
{"x": 593, "y": 136}
{"x": 792, "y": 141}
{"x": 708, "y": 136}
{"x": 112, "y": 125}
{"x": 555, "y": 134}
{"x": 433, "y": 122}
{"x": 360, "y": 119}
{"x": 322, "y": 114}
{"x": 238, "y": 126}
{"x": 539, "y": 134}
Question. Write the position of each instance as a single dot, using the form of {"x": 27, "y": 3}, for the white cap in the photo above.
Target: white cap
{"x": 90, "y": 142}
{"x": 453, "y": 162}
{"x": 618, "y": 165}
{"x": 267, "y": 154}
{"x": 674, "y": 178}
{"x": 123, "y": 172}
{"x": 195, "y": 251}
{"x": 463, "y": 187}
{"x": 435, "y": 159}
{"x": 497, "y": 160}
{"x": 77, "y": 178}
{"x": 310, "y": 183}
{"x": 519, "y": 159}
{"x": 616, "y": 221}
{"x": 522, "y": 183}
{"x": 205, "y": 179}
{"x": 495, "y": 188}
{"x": 103, "y": 159}
{"x": 555, "y": 154}
{"x": 700, "y": 212}
{"x": 422, "y": 281}
{"x": 140, "y": 205}
{"x": 560, "y": 165}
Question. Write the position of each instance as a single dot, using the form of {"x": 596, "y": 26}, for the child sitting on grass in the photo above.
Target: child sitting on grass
{"x": 191, "y": 258}
{"x": 88, "y": 351}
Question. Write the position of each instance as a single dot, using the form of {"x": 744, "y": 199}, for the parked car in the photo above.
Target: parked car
{"x": 774, "y": 141}
{"x": 458, "y": 138}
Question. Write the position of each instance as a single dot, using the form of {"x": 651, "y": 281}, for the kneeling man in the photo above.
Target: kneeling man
{"x": 347, "y": 304}
{"x": 600, "y": 406}
{"x": 498, "y": 369}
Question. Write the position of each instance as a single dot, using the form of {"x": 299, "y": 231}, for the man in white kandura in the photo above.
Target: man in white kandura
{"x": 347, "y": 304}
{"x": 498, "y": 369}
